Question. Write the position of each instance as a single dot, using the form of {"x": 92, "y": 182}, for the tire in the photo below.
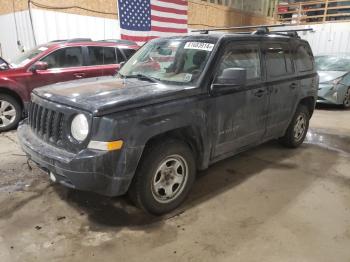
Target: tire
{"x": 158, "y": 187}
{"x": 297, "y": 130}
{"x": 10, "y": 112}
{"x": 346, "y": 103}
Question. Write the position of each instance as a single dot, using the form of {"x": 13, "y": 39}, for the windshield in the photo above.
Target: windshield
{"x": 333, "y": 63}
{"x": 169, "y": 60}
{"x": 25, "y": 57}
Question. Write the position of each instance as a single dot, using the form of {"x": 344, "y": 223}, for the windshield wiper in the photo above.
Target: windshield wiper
{"x": 144, "y": 77}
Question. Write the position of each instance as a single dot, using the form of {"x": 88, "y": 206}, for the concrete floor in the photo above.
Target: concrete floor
{"x": 267, "y": 204}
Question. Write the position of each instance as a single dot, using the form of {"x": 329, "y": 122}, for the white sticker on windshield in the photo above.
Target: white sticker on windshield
{"x": 43, "y": 48}
{"x": 188, "y": 78}
{"x": 199, "y": 46}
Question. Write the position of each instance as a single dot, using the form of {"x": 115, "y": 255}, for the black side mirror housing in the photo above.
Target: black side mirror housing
{"x": 232, "y": 77}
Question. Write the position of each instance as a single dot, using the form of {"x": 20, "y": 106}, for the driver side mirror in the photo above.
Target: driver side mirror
{"x": 4, "y": 66}
{"x": 231, "y": 77}
{"x": 39, "y": 66}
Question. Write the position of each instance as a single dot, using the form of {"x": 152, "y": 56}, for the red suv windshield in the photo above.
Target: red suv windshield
{"x": 24, "y": 58}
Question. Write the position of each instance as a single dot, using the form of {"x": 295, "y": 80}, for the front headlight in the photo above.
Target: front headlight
{"x": 80, "y": 127}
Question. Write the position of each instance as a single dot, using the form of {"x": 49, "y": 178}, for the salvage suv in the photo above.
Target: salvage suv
{"x": 178, "y": 105}
{"x": 57, "y": 61}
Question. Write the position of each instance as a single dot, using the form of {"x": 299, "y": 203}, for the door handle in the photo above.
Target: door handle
{"x": 79, "y": 75}
{"x": 293, "y": 85}
{"x": 259, "y": 93}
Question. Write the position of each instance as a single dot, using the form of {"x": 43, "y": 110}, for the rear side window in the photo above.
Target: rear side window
{"x": 128, "y": 52}
{"x": 65, "y": 57}
{"x": 278, "y": 60}
{"x": 247, "y": 57}
{"x": 304, "y": 59}
{"x": 102, "y": 55}
{"x": 120, "y": 56}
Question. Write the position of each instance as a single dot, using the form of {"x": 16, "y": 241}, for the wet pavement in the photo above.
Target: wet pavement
{"x": 266, "y": 204}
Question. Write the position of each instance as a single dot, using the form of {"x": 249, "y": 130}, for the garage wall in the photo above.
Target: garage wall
{"x": 51, "y": 25}
{"x": 331, "y": 38}
{"x": 8, "y": 35}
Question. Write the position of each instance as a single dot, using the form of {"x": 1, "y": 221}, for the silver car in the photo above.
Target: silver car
{"x": 334, "y": 72}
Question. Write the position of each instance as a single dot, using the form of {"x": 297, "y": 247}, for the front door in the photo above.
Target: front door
{"x": 64, "y": 64}
{"x": 283, "y": 87}
{"x": 241, "y": 113}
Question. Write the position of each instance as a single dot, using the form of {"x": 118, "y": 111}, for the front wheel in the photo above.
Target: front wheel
{"x": 164, "y": 177}
{"x": 10, "y": 112}
{"x": 297, "y": 129}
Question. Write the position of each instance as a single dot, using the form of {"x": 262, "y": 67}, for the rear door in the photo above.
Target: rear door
{"x": 283, "y": 87}
{"x": 64, "y": 64}
{"x": 241, "y": 113}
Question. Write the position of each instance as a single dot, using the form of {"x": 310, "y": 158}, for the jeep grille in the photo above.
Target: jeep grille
{"x": 46, "y": 123}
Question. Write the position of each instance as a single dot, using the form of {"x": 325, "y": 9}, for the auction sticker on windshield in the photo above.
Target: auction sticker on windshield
{"x": 199, "y": 46}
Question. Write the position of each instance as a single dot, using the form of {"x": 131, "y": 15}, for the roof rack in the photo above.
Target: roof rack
{"x": 73, "y": 40}
{"x": 266, "y": 27}
{"x": 260, "y": 30}
{"x": 291, "y": 32}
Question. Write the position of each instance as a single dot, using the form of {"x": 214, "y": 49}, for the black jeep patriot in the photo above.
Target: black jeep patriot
{"x": 177, "y": 106}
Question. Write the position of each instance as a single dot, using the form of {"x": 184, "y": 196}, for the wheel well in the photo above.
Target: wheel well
{"x": 309, "y": 102}
{"x": 4, "y": 90}
{"x": 185, "y": 134}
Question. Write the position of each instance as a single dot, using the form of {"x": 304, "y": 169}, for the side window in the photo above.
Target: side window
{"x": 278, "y": 60}
{"x": 305, "y": 60}
{"x": 120, "y": 56}
{"x": 247, "y": 57}
{"x": 65, "y": 57}
{"x": 102, "y": 55}
{"x": 128, "y": 52}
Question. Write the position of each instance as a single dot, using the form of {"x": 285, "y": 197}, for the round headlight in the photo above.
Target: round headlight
{"x": 80, "y": 127}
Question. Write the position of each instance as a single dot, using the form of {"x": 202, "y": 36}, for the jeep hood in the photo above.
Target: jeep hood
{"x": 327, "y": 76}
{"x": 107, "y": 95}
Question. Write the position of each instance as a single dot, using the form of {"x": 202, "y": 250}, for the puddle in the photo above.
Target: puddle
{"x": 339, "y": 143}
{"x": 14, "y": 187}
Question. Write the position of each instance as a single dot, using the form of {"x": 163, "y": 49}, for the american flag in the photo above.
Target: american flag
{"x": 143, "y": 20}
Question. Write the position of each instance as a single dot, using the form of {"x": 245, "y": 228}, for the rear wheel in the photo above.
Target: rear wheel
{"x": 297, "y": 129}
{"x": 164, "y": 177}
{"x": 10, "y": 112}
{"x": 346, "y": 102}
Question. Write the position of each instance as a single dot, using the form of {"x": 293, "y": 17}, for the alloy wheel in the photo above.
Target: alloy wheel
{"x": 299, "y": 127}
{"x": 7, "y": 113}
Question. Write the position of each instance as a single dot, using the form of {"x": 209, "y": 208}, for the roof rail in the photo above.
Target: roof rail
{"x": 73, "y": 40}
{"x": 292, "y": 32}
{"x": 266, "y": 27}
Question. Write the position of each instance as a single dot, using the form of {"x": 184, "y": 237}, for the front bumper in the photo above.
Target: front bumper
{"x": 88, "y": 170}
{"x": 329, "y": 94}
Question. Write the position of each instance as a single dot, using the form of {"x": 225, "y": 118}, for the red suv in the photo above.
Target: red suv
{"x": 57, "y": 61}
